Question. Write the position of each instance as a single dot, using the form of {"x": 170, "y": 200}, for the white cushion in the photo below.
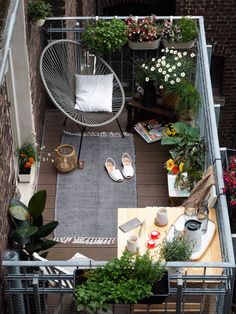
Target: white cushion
{"x": 94, "y": 92}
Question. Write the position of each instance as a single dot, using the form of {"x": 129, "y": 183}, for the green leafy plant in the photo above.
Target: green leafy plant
{"x": 189, "y": 150}
{"x": 176, "y": 249}
{"x": 105, "y": 36}
{"x": 28, "y": 234}
{"x": 188, "y": 102}
{"x": 125, "y": 280}
{"x": 182, "y": 30}
{"x": 39, "y": 9}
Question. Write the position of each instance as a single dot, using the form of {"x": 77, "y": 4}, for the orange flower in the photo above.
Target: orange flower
{"x": 31, "y": 160}
{"x": 175, "y": 169}
{"x": 27, "y": 165}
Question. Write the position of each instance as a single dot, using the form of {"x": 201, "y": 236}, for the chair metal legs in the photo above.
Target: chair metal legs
{"x": 122, "y": 134}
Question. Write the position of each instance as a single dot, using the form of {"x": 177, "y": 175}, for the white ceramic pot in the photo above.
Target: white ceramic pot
{"x": 178, "y": 45}
{"x": 144, "y": 45}
{"x": 24, "y": 177}
{"x": 40, "y": 22}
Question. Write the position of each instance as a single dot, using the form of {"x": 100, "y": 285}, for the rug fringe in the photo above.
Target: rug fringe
{"x": 103, "y": 134}
{"x": 85, "y": 240}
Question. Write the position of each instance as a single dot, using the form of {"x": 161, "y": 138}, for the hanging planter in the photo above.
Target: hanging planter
{"x": 178, "y": 45}
{"x": 144, "y": 45}
{"x": 40, "y": 22}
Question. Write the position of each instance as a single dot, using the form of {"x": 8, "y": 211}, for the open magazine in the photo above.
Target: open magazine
{"x": 150, "y": 130}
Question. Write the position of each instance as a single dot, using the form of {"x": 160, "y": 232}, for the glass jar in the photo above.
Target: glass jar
{"x": 189, "y": 212}
{"x": 202, "y": 216}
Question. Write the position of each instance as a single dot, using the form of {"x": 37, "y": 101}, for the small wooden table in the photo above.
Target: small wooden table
{"x": 212, "y": 254}
{"x": 134, "y": 107}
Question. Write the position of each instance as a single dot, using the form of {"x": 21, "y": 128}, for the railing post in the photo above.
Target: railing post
{"x": 179, "y": 295}
{"x": 36, "y": 295}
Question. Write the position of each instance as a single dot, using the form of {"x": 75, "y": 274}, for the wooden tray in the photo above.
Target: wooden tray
{"x": 206, "y": 237}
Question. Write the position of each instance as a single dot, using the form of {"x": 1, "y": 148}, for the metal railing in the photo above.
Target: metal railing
{"x": 204, "y": 292}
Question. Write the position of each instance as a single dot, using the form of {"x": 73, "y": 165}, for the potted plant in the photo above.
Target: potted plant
{"x": 28, "y": 233}
{"x": 188, "y": 151}
{"x": 175, "y": 249}
{"x": 188, "y": 100}
{"x": 143, "y": 33}
{"x": 128, "y": 279}
{"x": 180, "y": 34}
{"x": 27, "y": 155}
{"x": 38, "y": 10}
{"x": 105, "y": 36}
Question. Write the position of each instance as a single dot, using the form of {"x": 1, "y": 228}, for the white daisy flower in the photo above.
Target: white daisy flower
{"x": 192, "y": 55}
{"x": 182, "y": 74}
{"x": 146, "y": 67}
{"x": 171, "y": 50}
{"x": 184, "y": 53}
{"x": 174, "y": 74}
{"x": 152, "y": 69}
{"x": 175, "y": 52}
{"x": 160, "y": 70}
{"x": 162, "y": 50}
{"x": 179, "y": 54}
{"x": 161, "y": 87}
{"x": 153, "y": 59}
{"x": 147, "y": 79}
{"x": 164, "y": 72}
{"x": 166, "y": 79}
{"x": 163, "y": 57}
{"x": 170, "y": 70}
{"x": 168, "y": 65}
{"x": 172, "y": 82}
{"x": 178, "y": 80}
{"x": 167, "y": 49}
{"x": 176, "y": 59}
{"x": 173, "y": 67}
{"x": 157, "y": 65}
{"x": 163, "y": 63}
{"x": 178, "y": 64}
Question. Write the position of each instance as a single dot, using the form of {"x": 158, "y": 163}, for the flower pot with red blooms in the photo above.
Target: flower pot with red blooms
{"x": 143, "y": 34}
{"x": 27, "y": 155}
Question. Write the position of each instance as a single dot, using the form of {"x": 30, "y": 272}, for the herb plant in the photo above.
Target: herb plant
{"x": 105, "y": 36}
{"x": 125, "y": 280}
{"x": 176, "y": 249}
{"x": 39, "y": 9}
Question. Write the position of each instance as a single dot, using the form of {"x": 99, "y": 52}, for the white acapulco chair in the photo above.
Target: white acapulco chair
{"x": 60, "y": 61}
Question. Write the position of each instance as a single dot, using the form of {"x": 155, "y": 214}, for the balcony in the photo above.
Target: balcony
{"x": 209, "y": 290}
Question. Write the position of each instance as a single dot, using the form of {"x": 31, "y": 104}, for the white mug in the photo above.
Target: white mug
{"x": 162, "y": 217}
{"x": 132, "y": 243}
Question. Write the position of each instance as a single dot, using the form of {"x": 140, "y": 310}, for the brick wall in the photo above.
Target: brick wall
{"x": 38, "y": 93}
{"x": 220, "y": 25}
{"x": 7, "y": 176}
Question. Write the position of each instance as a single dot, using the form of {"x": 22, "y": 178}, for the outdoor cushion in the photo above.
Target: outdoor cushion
{"x": 94, "y": 92}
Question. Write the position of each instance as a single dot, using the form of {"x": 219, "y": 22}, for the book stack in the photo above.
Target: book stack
{"x": 150, "y": 130}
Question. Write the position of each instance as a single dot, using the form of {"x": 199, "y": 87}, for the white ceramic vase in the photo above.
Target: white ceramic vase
{"x": 144, "y": 45}
{"x": 24, "y": 177}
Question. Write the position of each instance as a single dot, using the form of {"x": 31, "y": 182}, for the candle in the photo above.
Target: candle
{"x": 151, "y": 244}
{"x": 155, "y": 234}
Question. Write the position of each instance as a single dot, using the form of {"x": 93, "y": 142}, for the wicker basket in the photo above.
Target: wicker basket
{"x": 65, "y": 158}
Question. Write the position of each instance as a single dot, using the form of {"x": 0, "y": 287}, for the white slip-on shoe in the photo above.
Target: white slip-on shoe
{"x": 114, "y": 173}
{"x": 128, "y": 170}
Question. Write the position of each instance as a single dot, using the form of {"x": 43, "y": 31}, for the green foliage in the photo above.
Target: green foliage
{"x": 39, "y": 9}
{"x": 125, "y": 280}
{"x": 177, "y": 249}
{"x": 105, "y": 36}
{"x": 189, "y": 148}
{"x": 188, "y": 28}
{"x": 28, "y": 233}
{"x": 182, "y": 30}
{"x": 189, "y": 97}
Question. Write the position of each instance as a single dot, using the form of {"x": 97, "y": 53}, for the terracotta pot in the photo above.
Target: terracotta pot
{"x": 171, "y": 100}
{"x": 145, "y": 45}
{"x": 178, "y": 45}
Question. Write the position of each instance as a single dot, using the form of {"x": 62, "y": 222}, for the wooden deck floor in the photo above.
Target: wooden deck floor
{"x": 151, "y": 180}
